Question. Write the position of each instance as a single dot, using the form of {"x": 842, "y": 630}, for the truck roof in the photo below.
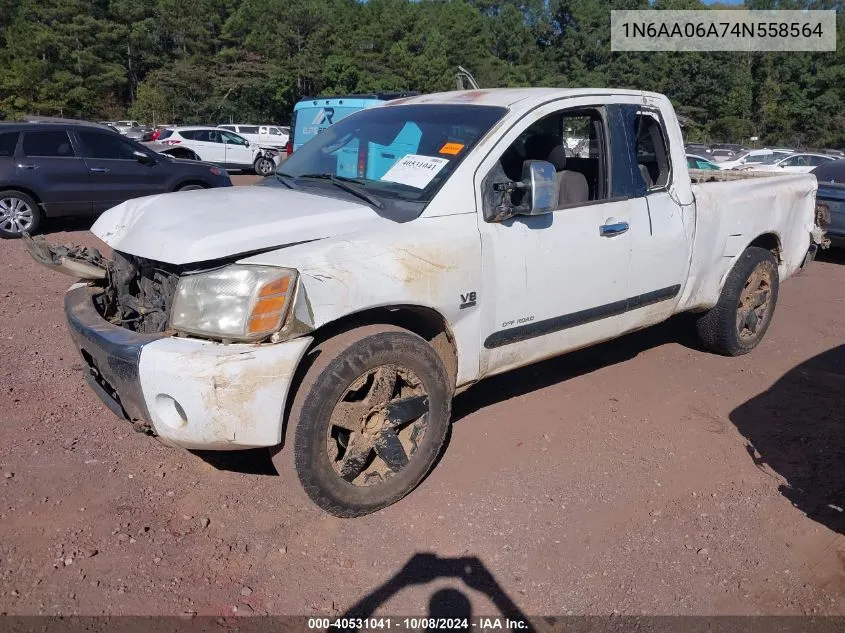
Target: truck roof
{"x": 509, "y": 96}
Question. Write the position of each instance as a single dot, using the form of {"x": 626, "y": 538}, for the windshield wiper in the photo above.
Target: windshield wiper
{"x": 344, "y": 183}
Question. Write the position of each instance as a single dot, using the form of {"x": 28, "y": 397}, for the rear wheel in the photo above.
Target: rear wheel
{"x": 368, "y": 420}
{"x": 19, "y": 214}
{"x": 264, "y": 166}
{"x": 738, "y": 322}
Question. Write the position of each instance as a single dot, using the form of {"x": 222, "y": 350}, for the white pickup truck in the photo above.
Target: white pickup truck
{"x": 407, "y": 252}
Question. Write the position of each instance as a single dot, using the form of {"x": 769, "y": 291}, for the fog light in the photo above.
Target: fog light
{"x": 170, "y": 411}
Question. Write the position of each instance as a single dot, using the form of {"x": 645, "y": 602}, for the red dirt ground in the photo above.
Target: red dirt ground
{"x": 613, "y": 480}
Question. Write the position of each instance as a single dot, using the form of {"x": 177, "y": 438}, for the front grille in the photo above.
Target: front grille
{"x": 139, "y": 293}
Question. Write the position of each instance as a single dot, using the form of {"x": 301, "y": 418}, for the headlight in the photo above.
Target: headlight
{"x": 244, "y": 303}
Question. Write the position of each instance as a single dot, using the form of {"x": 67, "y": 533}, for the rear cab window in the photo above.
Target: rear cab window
{"x": 652, "y": 150}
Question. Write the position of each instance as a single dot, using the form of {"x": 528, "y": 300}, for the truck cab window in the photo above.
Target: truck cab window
{"x": 574, "y": 141}
{"x": 652, "y": 151}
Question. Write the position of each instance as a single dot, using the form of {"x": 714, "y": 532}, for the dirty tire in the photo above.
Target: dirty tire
{"x": 337, "y": 364}
{"x": 719, "y": 329}
{"x": 192, "y": 187}
{"x": 19, "y": 213}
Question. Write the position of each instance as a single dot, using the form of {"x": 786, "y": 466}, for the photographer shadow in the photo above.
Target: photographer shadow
{"x": 795, "y": 431}
{"x": 423, "y": 568}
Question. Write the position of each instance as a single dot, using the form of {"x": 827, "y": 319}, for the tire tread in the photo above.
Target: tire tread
{"x": 717, "y": 327}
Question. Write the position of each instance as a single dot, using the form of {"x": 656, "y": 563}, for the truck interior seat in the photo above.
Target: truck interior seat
{"x": 646, "y": 175}
{"x": 573, "y": 187}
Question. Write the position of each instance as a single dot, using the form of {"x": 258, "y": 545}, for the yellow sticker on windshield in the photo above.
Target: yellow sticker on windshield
{"x": 451, "y": 148}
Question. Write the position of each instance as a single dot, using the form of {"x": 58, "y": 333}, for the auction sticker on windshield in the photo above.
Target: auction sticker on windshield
{"x": 415, "y": 170}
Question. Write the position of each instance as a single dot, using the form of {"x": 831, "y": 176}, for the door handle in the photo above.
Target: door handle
{"x": 99, "y": 170}
{"x": 616, "y": 228}
{"x": 28, "y": 166}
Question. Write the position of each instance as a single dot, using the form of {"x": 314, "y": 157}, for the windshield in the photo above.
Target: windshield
{"x": 401, "y": 153}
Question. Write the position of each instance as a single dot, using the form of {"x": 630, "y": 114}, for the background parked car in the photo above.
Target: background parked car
{"x": 269, "y": 135}
{"x": 59, "y": 169}
{"x": 109, "y": 125}
{"x": 699, "y": 162}
{"x": 751, "y": 157}
{"x": 731, "y": 147}
{"x": 156, "y": 132}
{"x": 831, "y": 194}
{"x": 124, "y": 126}
{"x": 699, "y": 149}
{"x": 722, "y": 154}
{"x": 138, "y": 133}
{"x": 792, "y": 163}
{"x": 174, "y": 151}
{"x": 224, "y": 148}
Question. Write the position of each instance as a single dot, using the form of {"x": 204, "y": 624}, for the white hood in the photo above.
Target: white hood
{"x": 196, "y": 226}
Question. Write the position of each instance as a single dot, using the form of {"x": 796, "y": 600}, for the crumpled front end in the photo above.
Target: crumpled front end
{"x": 134, "y": 293}
{"x": 190, "y": 392}
{"x": 138, "y": 293}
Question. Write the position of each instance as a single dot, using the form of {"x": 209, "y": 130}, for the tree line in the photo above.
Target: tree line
{"x": 215, "y": 61}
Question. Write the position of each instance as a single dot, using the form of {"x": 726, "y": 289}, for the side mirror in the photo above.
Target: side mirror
{"x": 536, "y": 194}
{"x": 246, "y": 143}
{"x": 540, "y": 180}
{"x": 143, "y": 157}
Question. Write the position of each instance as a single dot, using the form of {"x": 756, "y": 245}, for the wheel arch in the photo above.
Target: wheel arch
{"x": 191, "y": 181}
{"x": 28, "y": 191}
{"x": 423, "y": 321}
{"x": 769, "y": 241}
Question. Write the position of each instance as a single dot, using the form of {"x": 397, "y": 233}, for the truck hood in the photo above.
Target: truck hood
{"x": 197, "y": 226}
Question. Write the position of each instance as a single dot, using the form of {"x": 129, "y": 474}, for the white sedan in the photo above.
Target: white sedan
{"x": 794, "y": 163}
{"x": 227, "y": 149}
{"x": 752, "y": 158}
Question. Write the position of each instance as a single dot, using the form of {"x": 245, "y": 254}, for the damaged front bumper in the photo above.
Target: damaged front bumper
{"x": 191, "y": 393}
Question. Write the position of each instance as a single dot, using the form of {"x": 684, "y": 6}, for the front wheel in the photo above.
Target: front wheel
{"x": 264, "y": 166}
{"x": 19, "y": 214}
{"x": 369, "y": 419}
{"x": 738, "y": 322}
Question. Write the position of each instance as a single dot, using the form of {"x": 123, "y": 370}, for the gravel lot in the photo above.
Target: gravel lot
{"x": 615, "y": 480}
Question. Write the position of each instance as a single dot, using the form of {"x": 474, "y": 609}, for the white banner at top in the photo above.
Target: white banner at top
{"x": 722, "y": 30}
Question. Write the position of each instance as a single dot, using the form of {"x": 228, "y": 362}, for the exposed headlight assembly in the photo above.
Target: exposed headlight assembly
{"x": 236, "y": 303}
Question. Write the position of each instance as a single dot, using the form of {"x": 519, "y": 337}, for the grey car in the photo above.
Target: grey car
{"x": 831, "y": 196}
{"x": 52, "y": 170}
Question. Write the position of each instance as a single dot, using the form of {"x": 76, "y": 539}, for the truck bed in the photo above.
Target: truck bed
{"x": 710, "y": 175}
{"x": 735, "y": 210}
